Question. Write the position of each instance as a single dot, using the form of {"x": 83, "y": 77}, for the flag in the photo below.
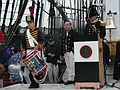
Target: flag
{"x": 31, "y": 9}
{"x": 2, "y": 38}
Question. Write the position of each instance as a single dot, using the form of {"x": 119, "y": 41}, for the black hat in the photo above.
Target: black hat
{"x": 92, "y": 11}
{"x": 30, "y": 18}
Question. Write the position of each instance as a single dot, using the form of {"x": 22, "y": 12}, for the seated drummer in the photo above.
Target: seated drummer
{"x": 29, "y": 44}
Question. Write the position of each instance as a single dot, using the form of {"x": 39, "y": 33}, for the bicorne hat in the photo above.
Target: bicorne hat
{"x": 92, "y": 11}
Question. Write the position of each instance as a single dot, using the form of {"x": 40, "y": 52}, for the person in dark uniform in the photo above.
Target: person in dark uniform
{"x": 96, "y": 28}
{"x": 106, "y": 54}
{"x": 52, "y": 57}
{"x": 29, "y": 44}
{"x": 94, "y": 25}
{"x": 67, "y": 45}
{"x": 116, "y": 74}
{"x": 95, "y": 31}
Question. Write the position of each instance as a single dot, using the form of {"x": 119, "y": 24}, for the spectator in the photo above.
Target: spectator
{"x": 52, "y": 55}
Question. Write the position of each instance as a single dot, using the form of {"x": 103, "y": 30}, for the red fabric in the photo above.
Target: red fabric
{"x": 31, "y": 9}
{"x": 22, "y": 49}
{"x": 2, "y": 38}
{"x": 40, "y": 47}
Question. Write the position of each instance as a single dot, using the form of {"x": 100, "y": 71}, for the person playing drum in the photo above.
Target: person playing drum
{"x": 33, "y": 39}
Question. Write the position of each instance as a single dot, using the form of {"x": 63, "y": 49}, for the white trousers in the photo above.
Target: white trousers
{"x": 69, "y": 73}
{"x": 27, "y": 72}
{"x": 52, "y": 73}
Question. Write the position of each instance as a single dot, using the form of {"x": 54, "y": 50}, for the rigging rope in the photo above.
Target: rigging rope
{"x": 11, "y": 16}
{"x": 16, "y": 24}
{"x": 37, "y": 12}
{"x": 0, "y": 9}
{"x": 10, "y": 26}
{"x": 5, "y": 14}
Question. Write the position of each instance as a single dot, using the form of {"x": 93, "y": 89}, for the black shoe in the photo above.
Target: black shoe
{"x": 34, "y": 86}
{"x": 69, "y": 82}
{"x": 60, "y": 82}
